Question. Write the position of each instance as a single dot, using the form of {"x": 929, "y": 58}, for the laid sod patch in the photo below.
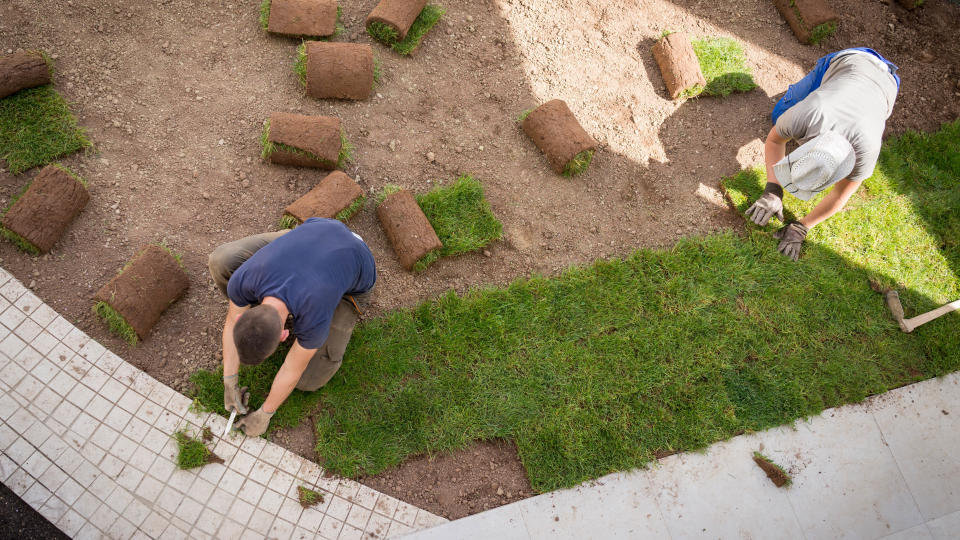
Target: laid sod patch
{"x": 388, "y": 35}
{"x": 774, "y": 472}
{"x": 193, "y": 452}
{"x": 461, "y": 217}
{"x": 308, "y": 497}
{"x": 724, "y": 65}
{"x": 604, "y": 367}
{"x": 37, "y": 127}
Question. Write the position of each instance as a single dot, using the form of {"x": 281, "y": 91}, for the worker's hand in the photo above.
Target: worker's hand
{"x": 791, "y": 237}
{"x": 234, "y": 397}
{"x": 768, "y": 205}
{"x": 255, "y": 424}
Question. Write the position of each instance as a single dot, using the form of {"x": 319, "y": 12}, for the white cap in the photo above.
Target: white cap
{"x": 816, "y": 165}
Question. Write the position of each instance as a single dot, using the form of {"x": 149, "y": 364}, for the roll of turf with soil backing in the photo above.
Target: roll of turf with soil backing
{"x": 302, "y": 17}
{"x": 558, "y": 134}
{"x": 339, "y": 70}
{"x": 397, "y": 14}
{"x": 42, "y": 214}
{"x": 140, "y": 293}
{"x": 334, "y": 195}
{"x": 812, "y": 21}
{"x": 408, "y": 229}
{"x": 303, "y": 141}
{"x": 679, "y": 65}
{"x": 23, "y": 69}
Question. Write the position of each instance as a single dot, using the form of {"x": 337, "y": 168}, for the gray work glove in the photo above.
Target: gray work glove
{"x": 769, "y": 204}
{"x": 234, "y": 397}
{"x": 791, "y": 237}
{"x": 255, "y": 424}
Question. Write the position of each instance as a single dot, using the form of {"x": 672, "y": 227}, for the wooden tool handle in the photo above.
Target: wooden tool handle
{"x": 931, "y": 315}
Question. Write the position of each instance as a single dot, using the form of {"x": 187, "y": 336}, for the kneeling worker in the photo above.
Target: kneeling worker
{"x": 837, "y": 113}
{"x": 321, "y": 273}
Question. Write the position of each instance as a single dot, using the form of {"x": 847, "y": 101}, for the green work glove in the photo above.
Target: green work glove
{"x": 234, "y": 397}
{"x": 791, "y": 237}
{"x": 768, "y": 205}
{"x": 255, "y": 424}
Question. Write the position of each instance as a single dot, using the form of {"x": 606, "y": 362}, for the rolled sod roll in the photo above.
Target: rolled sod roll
{"x": 303, "y": 17}
{"x": 678, "y": 64}
{"x": 145, "y": 288}
{"x": 22, "y": 69}
{"x": 408, "y": 229}
{"x": 339, "y": 70}
{"x": 45, "y": 210}
{"x": 334, "y": 194}
{"x": 806, "y": 17}
{"x": 558, "y": 134}
{"x": 397, "y": 14}
{"x": 303, "y": 141}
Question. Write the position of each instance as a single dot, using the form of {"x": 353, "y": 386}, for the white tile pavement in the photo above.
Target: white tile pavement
{"x": 886, "y": 468}
{"x": 85, "y": 439}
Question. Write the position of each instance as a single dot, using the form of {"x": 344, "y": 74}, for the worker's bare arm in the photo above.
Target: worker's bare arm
{"x": 832, "y": 203}
{"x": 231, "y": 362}
{"x": 289, "y": 375}
{"x": 774, "y": 149}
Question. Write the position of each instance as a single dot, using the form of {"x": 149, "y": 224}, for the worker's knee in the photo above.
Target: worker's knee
{"x": 220, "y": 268}
{"x": 319, "y": 371}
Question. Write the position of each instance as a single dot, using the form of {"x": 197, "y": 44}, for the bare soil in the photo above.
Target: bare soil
{"x": 174, "y": 94}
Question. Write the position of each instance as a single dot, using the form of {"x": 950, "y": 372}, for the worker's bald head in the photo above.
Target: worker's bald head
{"x": 257, "y": 334}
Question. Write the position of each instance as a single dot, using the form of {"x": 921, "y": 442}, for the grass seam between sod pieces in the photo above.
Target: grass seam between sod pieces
{"x": 388, "y": 35}
{"x": 607, "y": 365}
{"x": 37, "y": 127}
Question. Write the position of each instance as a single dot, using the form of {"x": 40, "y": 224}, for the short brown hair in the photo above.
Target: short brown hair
{"x": 257, "y": 334}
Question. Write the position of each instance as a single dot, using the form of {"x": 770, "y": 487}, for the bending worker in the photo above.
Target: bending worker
{"x": 320, "y": 273}
{"x": 837, "y": 113}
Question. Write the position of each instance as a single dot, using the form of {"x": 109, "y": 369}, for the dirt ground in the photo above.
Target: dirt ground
{"x": 174, "y": 94}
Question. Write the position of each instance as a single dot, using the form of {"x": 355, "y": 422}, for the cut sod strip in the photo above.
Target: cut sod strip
{"x": 679, "y": 65}
{"x": 558, "y": 134}
{"x": 313, "y": 18}
{"x": 401, "y": 24}
{"x": 408, "y": 229}
{"x": 23, "y": 69}
{"x": 812, "y": 21}
{"x": 774, "y": 472}
{"x": 37, "y": 127}
{"x": 37, "y": 219}
{"x": 461, "y": 217}
{"x": 132, "y": 302}
{"x": 724, "y": 66}
{"x": 305, "y": 141}
{"x": 336, "y": 70}
{"x": 336, "y": 197}
{"x": 193, "y": 452}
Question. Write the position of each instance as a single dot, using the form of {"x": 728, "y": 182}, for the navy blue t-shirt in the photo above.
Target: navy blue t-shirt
{"x": 310, "y": 269}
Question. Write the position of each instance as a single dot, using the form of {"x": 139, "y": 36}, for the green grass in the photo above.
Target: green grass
{"x": 22, "y": 243}
{"x": 377, "y": 71}
{"x": 192, "y": 452}
{"x": 605, "y": 366}
{"x": 724, "y": 66}
{"x": 72, "y": 174}
{"x": 118, "y": 325}
{"x": 354, "y": 207}
{"x": 308, "y": 497}
{"x": 787, "y": 480}
{"x": 461, "y": 217}
{"x": 423, "y": 23}
{"x": 300, "y": 64}
{"x": 346, "y": 150}
{"x": 822, "y": 32}
{"x": 387, "y": 191}
{"x": 288, "y": 222}
{"x": 578, "y": 164}
{"x": 523, "y": 116}
{"x": 265, "y": 14}
{"x": 36, "y": 127}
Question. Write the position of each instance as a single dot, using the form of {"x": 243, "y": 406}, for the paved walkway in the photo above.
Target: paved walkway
{"x": 85, "y": 439}
{"x": 886, "y": 468}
